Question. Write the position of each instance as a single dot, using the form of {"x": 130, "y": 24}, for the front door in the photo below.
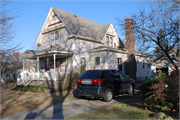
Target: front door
{"x": 46, "y": 65}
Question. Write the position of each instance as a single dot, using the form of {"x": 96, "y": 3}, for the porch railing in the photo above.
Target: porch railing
{"x": 27, "y": 77}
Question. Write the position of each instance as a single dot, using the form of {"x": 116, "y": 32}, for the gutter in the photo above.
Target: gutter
{"x": 107, "y": 49}
{"x": 85, "y": 38}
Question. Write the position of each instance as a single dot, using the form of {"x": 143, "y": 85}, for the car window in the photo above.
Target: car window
{"x": 114, "y": 73}
{"x": 122, "y": 76}
{"x": 104, "y": 74}
{"x": 90, "y": 75}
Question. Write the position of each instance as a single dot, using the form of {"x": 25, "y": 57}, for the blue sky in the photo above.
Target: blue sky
{"x": 33, "y": 14}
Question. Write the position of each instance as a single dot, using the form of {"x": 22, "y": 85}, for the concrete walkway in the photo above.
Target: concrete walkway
{"x": 63, "y": 110}
{"x": 59, "y": 111}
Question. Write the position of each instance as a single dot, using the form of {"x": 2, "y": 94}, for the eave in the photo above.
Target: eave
{"x": 108, "y": 49}
{"x": 58, "y": 26}
{"x": 85, "y": 38}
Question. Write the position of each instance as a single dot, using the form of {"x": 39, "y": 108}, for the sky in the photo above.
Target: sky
{"x": 32, "y": 15}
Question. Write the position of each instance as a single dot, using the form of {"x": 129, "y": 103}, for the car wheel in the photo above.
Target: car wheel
{"x": 131, "y": 90}
{"x": 108, "y": 95}
{"x": 83, "y": 97}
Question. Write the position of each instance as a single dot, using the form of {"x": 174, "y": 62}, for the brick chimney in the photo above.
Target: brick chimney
{"x": 129, "y": 28}
{"x": 130, "y": 65}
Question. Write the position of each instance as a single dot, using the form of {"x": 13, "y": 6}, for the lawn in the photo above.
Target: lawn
{"x": 16, "y": 101}
{"x": 129, "y": 108}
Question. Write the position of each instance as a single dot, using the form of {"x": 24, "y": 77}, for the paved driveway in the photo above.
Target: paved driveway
{"x": 64, "y": 110}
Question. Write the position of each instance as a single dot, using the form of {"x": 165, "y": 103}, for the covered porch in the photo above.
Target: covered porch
{"x": 52, "y": 64}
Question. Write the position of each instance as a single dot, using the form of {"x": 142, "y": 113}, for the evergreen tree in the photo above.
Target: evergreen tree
{"x": 162, "y": 43}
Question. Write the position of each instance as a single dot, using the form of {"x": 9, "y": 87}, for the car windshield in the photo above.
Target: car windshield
{"x": 90, "y": 75}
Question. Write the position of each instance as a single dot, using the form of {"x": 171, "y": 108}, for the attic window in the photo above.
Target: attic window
{"x": 111, "y": 41}
{"x": 75, "y": 16}
{"x": 107, "y": 40}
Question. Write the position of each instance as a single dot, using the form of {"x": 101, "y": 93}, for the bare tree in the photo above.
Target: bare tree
{"x": 7, "y": 28}
{"x": 11, "y": 63}
{"x": 7, "y": 32}
{"x": 147, "y": 24}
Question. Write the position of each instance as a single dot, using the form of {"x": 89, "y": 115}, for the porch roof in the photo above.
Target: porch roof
{"x": 32, "y": 54}
{"x": 104, "y": 48}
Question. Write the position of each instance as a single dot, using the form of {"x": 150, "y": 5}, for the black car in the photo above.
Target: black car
{"x": 104, "y": 84}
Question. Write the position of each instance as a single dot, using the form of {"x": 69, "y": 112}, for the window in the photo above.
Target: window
{"x": 58, "y": 65}
{"x": 114, "y": 45}
{"x": 149, "y": 64}
{"x": 122, "y": 76}
{"x": 104, "y": 74}
{"x": 56, "y": 37}
{"x": 114, "y": 74}
{"x": 52, "y": 39}
{"x": 97, "y": 60}
{"x": 47, "y": 65}
{"x": 107, "y": 39}
{"x": 83, "y": 64}
{"x": 120, "y": 64}
{"x": 91, "y": 75}
{"x": 62, "y": 64}
{"x": 111, "y": 42}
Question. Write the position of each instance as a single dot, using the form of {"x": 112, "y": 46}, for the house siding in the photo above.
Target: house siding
{"x": 140, "y": 71}
{"x": 114, "y": 38}
{"x": 64, "y": 41}
{"x": 81, "y": 49}
{"x": 92, "y": 57}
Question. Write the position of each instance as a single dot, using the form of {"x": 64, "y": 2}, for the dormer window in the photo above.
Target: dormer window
{"x": 111, "y": 42}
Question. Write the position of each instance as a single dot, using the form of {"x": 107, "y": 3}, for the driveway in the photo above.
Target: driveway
{"x": 65, "y": 110}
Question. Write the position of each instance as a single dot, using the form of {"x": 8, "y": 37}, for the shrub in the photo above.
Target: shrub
{"x": 161, "y": 92}
{"x": 11, "y": 81}
{"x": 69, "y": 82}
{"x": 30, "y": 88}
{"x": 146, "y": 87}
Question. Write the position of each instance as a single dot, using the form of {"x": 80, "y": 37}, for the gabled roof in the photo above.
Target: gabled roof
{"x": 121, "y": 43}
{"x": 81, "y": 26}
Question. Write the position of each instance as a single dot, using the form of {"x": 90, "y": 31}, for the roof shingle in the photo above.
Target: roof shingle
{"x": 82, "y": 26}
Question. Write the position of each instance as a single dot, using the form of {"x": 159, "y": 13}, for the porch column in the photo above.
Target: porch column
{"x": 55, "y": 66}
{"x": 23, "y": 65}
{"x": 38, "y": 67}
